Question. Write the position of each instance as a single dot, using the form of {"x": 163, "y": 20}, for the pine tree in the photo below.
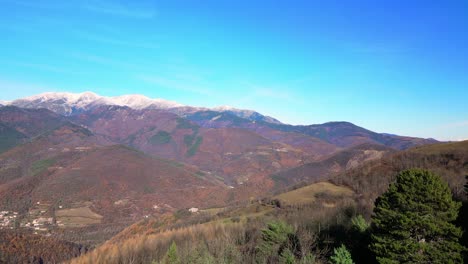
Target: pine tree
{"x": 276, "y": 238}
{"x": 359, "y": 224}
{"x": 466, "y": 185}
{"x": 341, "y": 255}
{"x": 172, "y": 255}
{"x": 412, "y": 221}
{"x": 359, "y": 239}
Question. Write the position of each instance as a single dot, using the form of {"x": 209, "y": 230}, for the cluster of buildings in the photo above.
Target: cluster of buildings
{"x": 8, "y": 219}
{"x": 39, "y": 224}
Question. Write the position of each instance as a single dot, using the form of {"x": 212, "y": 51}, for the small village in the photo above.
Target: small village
{"x": 38, "y": 219}
{"x": 8, "y": 219}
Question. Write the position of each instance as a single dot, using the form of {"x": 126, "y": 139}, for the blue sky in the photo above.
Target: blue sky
{"x": 390, "y": 66}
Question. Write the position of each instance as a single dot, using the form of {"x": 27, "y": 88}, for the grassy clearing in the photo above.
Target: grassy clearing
{"x": 41, "y": 165}
{"x": 77, "y": 217}
{"x": 309, "y": 193}
{"x": 212, "y": 211}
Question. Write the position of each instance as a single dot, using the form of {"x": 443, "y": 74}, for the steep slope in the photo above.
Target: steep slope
{"x": 235, "y": 229}
{"x": 72, "y": 103}
{"x": 17, "y": 124}
{"x": 449, "y": 160}
{"x": 311, "y": 145}
{"x": 30, "y": 122}
{"x": 339, "y": 134}
{"x": 72, "y": 187}
{"x": 9, "y": 137}
{"x": 52, "y": 149}
{"x": 21, "y": 247}
{"x": 332, "y": 165}
{"x": 100, "y": 177}
{"x": 233, "y": 155}
{"x": 110, "y": 175}
{"x": 246, "y": 114}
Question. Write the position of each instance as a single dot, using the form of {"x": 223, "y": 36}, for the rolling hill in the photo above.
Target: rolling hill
{"x": 17, "y": 125}
{"x": 449, "y": 160}
{"x": 81, "y": 168}
{"x": 338, "y": 134}
{"x": 234, "y": 155}
{"x": 324, "y": 208}
{"x": 334, "y": 164}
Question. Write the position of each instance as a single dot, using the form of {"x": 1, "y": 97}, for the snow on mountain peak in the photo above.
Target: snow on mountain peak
{"x": 69, "y": 103}
{"x": 224, "y": 108}
{"x": 66, "y": 103}
{"x": 139, "y": 101}
{"x": 233, "y": 109}
{"x": 68, "y": 97}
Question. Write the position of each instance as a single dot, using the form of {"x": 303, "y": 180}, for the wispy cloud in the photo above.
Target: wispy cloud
{"x": 121, "y": 9}
{"x": 116, "y": 41}
{"x": 44, "y": 67}
{"x": 175, "y": 83}
{"x": 130, "y": 9}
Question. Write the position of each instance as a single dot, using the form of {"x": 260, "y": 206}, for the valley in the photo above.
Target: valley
{"x": 91, "y": 173}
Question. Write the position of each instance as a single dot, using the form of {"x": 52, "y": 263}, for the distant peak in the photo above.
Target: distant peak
{"x": 65, "y": 102}
{"x": 224, "y": 108}
{"x": 132, "y": 96}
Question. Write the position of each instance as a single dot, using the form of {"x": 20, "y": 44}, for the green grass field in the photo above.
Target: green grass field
{"x": 309, "y": 194}
{"x": 77, "y": 217}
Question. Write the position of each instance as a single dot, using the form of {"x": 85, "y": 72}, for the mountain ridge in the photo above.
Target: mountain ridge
{"x": 66, "y": 103}
{"x": 69, "y": 104}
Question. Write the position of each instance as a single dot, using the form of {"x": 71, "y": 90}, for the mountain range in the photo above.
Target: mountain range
{"x": 101, "y": 163}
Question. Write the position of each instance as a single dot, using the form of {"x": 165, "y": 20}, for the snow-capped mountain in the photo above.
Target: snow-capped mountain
{"x": 247, "y": 114}
{"x": 72, "y": 103}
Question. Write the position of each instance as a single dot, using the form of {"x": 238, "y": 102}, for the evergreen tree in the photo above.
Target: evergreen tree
{"x": 359, "y": 239}
{"x": 466, "y": 185}
{"x": 359, "y": 224}
{"x": 341, "y": 255}
{"x": 412, "y": 221}
{"x": 172, "y": 255}
{"x": 276, "y": 238}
